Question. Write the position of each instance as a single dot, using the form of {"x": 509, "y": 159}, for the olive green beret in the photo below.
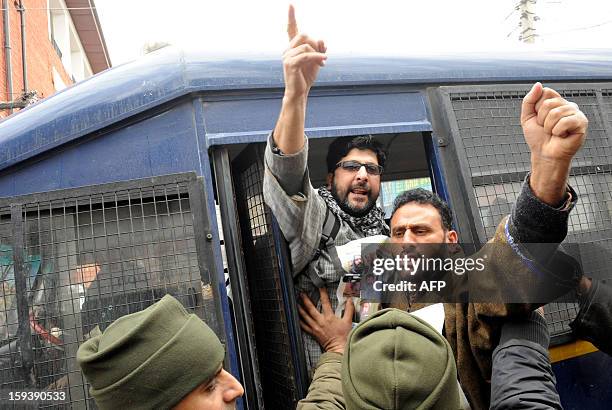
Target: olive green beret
{"x": 395, "y": 360}
{"x": 150, "y": 359}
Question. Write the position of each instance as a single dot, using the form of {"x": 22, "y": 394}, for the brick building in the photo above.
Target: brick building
{"x": 64, "y": 44}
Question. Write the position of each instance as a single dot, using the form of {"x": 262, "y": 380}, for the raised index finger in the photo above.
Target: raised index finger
{"x": 292, "y": 28}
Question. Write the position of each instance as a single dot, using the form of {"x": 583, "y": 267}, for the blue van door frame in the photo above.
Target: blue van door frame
{"x": 230, "y": 118}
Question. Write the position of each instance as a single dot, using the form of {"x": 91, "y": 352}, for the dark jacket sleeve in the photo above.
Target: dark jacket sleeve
{"x": 533, "y": 221}
{"x": 534, "y": 230}
{"x": 522, "y": 376}
{"x": 473, "y": 329}
{"x": 594, "y": 319}
{"x": 537, "y": 226}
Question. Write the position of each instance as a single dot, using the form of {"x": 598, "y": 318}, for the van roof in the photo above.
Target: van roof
{"x": 128, "y": 89}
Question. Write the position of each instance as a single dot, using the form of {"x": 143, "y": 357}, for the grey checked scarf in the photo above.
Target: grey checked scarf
{"x": 369, "y": 225}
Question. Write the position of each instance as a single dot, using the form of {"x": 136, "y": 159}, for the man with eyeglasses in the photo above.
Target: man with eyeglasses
{"x": 315, "y": 221}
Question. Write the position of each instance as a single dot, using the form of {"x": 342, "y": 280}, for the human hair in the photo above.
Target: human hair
{"x": 425, "y": 197}
{"x": 342, "y": 145}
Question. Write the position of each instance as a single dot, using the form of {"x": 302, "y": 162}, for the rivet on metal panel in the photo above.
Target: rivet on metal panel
{"x": 441, "y": 142}
{"x": 209, "y": 237}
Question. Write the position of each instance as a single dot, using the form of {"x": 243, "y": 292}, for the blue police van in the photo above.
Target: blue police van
{"x": 146, "y": 179}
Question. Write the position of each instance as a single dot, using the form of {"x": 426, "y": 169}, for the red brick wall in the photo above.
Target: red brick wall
{"x": 41, "y": 55}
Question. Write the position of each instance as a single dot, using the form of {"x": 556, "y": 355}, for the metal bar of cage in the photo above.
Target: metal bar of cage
{"x": 238, "y": 280}
{"x": 203, "y": 243}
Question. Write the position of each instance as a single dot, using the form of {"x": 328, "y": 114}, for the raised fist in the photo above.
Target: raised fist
{"x": 301, "y": 61}
{"x": 554, "y": 128}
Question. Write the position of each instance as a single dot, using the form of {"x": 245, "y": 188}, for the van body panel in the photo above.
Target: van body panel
{"x": 165, "y": 143}
{"x": 157, "y": 78}
{"x": 330, "y": 114}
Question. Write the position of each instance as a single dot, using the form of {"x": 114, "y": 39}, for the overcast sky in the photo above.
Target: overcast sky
{"x": 356, "y": 27}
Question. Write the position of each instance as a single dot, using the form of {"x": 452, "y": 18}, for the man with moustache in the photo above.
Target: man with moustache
{"x": 554, "y": 130}
{"x": 501, "y": 350}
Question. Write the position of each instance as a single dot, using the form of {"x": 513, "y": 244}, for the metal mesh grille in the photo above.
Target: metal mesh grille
{"x": 497, "y": 159}
{"x": 91, "y": 259}
{"x": 607, "y": 105}
{"x": 493, "y": 140}
{"x": 559, "y": 315}
{"x": 10, "y": 375}
{"x": 271, "y": 328}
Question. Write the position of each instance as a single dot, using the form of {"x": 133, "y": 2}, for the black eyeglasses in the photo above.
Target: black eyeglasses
{"x": 355, "y": 166}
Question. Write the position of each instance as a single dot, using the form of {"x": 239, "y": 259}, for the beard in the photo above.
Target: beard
{"x": 346, "y": 206}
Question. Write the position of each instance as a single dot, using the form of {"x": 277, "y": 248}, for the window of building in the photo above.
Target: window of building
{"x": 66, "y": 41}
